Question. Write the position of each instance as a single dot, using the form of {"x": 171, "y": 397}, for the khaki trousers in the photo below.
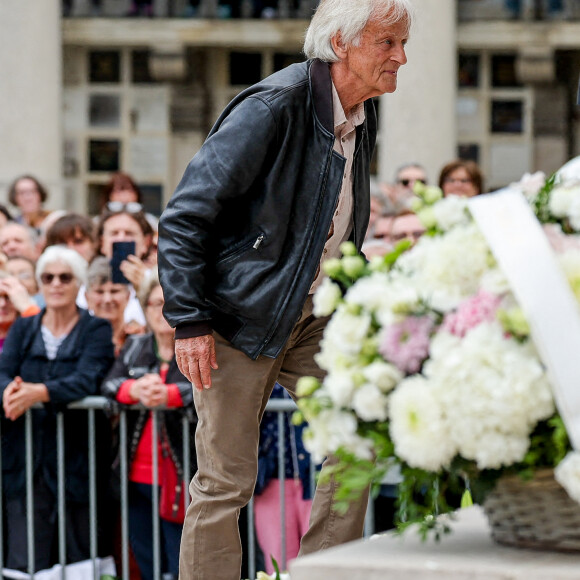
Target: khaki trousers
{"x": 227, "y": 439}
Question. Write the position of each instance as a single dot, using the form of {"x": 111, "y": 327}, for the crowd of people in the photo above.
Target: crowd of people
{"x": 391, "y": 217}
{"x": 69, "y": 328}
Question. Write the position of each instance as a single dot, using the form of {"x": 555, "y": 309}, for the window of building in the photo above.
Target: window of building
{"x": 507, "y": 116}
{"x": 140, "y": 67}
{"x": 245, "y": 68}
{"x": 503, "y": 71}
{"x": 104, "y": 110}
{"x": 468, "y": 70}
{"x": 104, "y": 66}
{"x": 282, "y": 60}
{"x": 104, "y": 155}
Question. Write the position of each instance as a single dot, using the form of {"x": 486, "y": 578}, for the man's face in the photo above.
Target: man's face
{"x": 16, "y": 241}
{"x": 373, "y": 65}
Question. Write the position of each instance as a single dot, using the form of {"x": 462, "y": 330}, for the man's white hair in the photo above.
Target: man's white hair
{"x": 349, "y": 17}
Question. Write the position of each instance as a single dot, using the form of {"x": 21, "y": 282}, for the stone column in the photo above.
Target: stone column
{"x": 417, "y": 121}
{"x": 30, "y": 94}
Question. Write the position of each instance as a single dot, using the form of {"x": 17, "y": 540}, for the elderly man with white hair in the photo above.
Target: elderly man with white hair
{"x": 281, "y": 181}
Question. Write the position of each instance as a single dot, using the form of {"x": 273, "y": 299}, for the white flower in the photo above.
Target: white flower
{"x": 447, "y": 269}
{"x": 495, "y": 282}
{"x": 531, "y": 183}
{"x": 567, "y": 474}
{"x": 326, "y": 298}
{"x": 343, "y": 339}
{"x": 369, "y": 403}
{"x": 384, "y": 375}
{"x": 493, "y": 391}
{"x": 418, "y": 427}
{"x": 450, "y": 212}
{"x": 340, "y": 387}
{"x": 327, "y": 431}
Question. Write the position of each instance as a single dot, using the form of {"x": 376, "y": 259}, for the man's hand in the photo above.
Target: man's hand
{"x": 195, "y": 359}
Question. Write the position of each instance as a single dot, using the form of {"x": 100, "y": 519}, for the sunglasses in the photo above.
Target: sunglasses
{"x": 118, "y": 206}
{"x": 407, "y": 182}
{"x": 64, "y": 278}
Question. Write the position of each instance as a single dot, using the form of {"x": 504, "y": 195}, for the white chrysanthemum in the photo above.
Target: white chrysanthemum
{"x": 567, "y": 474}
{"x": 328, "y": 431}
{"x": 369, "y": 403}
{"x": 494, "y": 391}
{"x": 418, "y": 426}
{"x": 371, "y": 294}
{"x": 450, "y": 212}
{"x": 340, "y": 387}
{"x": 447, "y": 269}
{"x": 326, "y": 298}
{"x": 343, "y": 339}
{"x": 384, "y": 375}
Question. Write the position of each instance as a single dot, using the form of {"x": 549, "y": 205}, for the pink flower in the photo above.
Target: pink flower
{"x": 406, "y": 344}
{"x": 473, "y": 311}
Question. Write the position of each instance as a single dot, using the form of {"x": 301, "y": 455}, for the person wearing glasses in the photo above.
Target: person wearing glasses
{"x": 127, "y": 223}
{"x": 29, "y": 195}
{"x": 146, "y": 372}
{"x": 460, "y": 177}
{"x": 59, "y": 356}
{"x": 399, "y": 194}
{"x": 122, "y": 190}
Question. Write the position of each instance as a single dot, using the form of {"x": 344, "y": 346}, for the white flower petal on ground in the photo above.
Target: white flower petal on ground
{"x": 567, "y": 474}
{"x": 418, "y": 427}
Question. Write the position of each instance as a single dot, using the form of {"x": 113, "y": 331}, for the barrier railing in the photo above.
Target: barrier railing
{"x": 93, "y": 405}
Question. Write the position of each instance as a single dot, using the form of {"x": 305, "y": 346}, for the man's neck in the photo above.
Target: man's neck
{"x": 350, "y": 96}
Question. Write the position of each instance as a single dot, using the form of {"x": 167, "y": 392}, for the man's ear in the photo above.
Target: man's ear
{"x": 338, "y": 45}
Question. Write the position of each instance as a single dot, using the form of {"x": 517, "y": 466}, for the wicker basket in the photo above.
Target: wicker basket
{"x": 535, "y": 514}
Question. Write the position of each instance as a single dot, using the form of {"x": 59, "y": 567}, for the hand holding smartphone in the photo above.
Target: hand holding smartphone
{"x": 120, "y": 252}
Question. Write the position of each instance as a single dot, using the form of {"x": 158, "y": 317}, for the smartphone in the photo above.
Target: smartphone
{"x": 120, "y": 252}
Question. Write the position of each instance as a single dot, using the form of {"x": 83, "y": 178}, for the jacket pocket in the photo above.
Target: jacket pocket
{"x": 251, "y": 243}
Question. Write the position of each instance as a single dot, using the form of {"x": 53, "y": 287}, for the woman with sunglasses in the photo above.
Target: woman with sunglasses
{"x": 52, "y": 359}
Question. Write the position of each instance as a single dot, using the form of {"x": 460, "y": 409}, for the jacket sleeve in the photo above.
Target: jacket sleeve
{"x": 224, "y": 169}
{"x": 95, "y": 358}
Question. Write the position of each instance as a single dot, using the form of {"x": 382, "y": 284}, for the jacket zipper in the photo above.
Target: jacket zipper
{"x": 258, "y": 241}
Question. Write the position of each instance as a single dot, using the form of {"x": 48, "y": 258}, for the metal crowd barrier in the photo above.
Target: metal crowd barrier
{"x": 97, "y": 404}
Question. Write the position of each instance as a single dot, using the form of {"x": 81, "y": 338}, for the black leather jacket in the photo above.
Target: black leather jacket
{"x": 241, "y": 239}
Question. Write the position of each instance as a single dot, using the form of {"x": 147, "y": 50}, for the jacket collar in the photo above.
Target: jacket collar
{"x": 321, "y": 88}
